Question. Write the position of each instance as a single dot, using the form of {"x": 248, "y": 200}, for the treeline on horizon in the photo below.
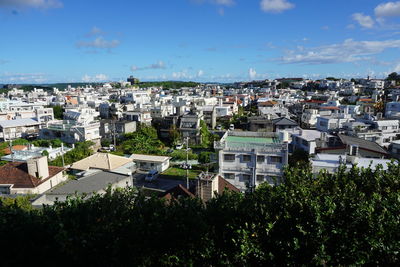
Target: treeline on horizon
{"x": 343, "y": 219}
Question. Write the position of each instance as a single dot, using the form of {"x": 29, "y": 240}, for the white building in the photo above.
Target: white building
{"x": 247, "y": 159}
{"x": 332, "y": 162}
{"x": 149, "y": 162}
{"x": 31, "y": 177}
{"x": 306, "y": 140}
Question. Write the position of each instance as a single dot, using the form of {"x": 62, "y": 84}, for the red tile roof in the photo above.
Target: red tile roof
{"x": 177, "y": 191}
{"x": 16, "y": 173}
{"x": 330, "y": 108}
{"x": 313, "y": 101}
{"x": 225, "y": 185}
{"x": 16, "y": 147}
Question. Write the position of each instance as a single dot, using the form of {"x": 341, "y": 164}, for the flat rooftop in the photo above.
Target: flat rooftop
{"x": 232, "y": 140}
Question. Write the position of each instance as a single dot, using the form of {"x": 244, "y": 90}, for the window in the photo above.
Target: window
{"x": 260, "y": 159}
{"x": 384, "y": 127}
{"x": 323, "y": 123}
{"x": 229, "y": 157}
{"x": 246, "y": 177}
{"x": 275, "y": 159}
{"x": 229, "y": 176}
{"x": 246, "y": 158}
{"x": 394, "y": 127}
{"x": 260, "y": 178}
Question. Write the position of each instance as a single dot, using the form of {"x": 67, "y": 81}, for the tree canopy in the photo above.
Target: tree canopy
{"x": 143, "y": 141}
{"x": 82, "y": 150}
{"x": 348, "y": 218}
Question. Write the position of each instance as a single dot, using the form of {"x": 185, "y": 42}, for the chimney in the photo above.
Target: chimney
{"x": 38, "y": 167}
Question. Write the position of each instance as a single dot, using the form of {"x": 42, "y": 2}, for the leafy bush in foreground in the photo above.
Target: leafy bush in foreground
{"x": 349, "y": 218}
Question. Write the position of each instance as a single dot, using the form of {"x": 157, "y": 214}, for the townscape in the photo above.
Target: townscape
{"x": 199, "y": 133}
{"x": 195, "y": 139}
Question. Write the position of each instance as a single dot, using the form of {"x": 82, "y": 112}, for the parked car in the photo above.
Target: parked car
{"x": 219, "y": 127}
{"x": 231, "y": 127}
{"x": 179, "y": 146}
{"x": 151, "y": 176}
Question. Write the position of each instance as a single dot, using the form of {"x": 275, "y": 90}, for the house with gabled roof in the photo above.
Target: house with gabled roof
{"x": 106, "y": 162}
{"x": 33, "y": 176}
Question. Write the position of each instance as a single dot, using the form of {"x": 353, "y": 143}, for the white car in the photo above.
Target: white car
{"x": 151, "y": 176}
{"x": 219, "y": 127}
{"x": 179, "y": 146}
{"x": 231, "y": 127}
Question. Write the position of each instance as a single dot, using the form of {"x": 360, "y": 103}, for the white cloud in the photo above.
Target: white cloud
{"x": 31, "y": 3}
{"x": 158, "y": 65}
{"x": 275, "y": 6}
{"x": 99, "y": 43}
{"x": 397, "y": 68}
{"x": 95, "y": 78}
{"x": 200, "y": 73}
{"x": 364, "y": 20}
{"x": 95, "y": 31}
{"x": 216, "y": 2}
{"x": 23, "y": 77}
{"x": 389, "y": 9}
{"x": 182, "y": 75}
{"x": 348, "y": 51}
{"x": 224, "y": 2}
{"x": 252, "y": 74}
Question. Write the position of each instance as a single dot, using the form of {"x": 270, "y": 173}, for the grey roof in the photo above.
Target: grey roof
{"x": 18, "y": 123}
{"x": 284, "y": 121}
{"x": 361, "y": 143}
{"x": 88, "y": 184}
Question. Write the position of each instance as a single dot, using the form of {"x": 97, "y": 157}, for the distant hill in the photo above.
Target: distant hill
{"x": 169, "y": 84}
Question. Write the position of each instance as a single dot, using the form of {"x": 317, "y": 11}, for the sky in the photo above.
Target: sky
{"x": 48, "y": 41}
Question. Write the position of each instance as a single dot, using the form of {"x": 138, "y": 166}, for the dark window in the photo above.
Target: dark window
{"x": 246, "y": 158}
{"x": 260, "y": 177}
{"x": 229, "y": 176}
{"x": 274, "y": 159}
{"x": 246, "y": 177}
{"x": 229, "y": 157}
{"x": 260, "y": 159}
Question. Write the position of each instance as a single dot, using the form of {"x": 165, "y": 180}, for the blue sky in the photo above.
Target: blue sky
{"x": 44, "y": 41}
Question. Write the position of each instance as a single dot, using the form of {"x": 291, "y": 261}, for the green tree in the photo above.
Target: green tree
{"x": 58, "y": 112}
{"x": 207, "y": 138}
{"x": 143, "y": 141}
{"x": 175, "y": 135}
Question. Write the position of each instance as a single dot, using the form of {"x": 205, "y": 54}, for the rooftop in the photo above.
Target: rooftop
{"x": 16, "y": 173}
{"x": 104, "y": 161}
{"x": 89, "y": 184}
{"x": 150, "y": 158}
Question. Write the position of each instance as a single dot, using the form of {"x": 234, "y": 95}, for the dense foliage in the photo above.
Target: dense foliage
{"x": 349, "y": 218}
{"x": 58, "y": 112}
{"x": 394, "y": 76}
{"x": 47, "y": 143}
{"x": 143, "y": 141}
{"x": 82, "y": 150}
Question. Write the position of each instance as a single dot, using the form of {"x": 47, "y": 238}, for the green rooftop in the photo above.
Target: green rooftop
{"x": 243, "y": 140}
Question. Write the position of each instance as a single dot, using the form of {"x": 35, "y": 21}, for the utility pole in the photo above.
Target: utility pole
{"x": 114, "y": 132}
{"x": 187, "y": 163}
{"x": 62, "y": 154}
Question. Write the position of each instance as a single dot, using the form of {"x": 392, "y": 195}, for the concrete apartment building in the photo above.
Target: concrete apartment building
{"x": 247, "y": 159}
